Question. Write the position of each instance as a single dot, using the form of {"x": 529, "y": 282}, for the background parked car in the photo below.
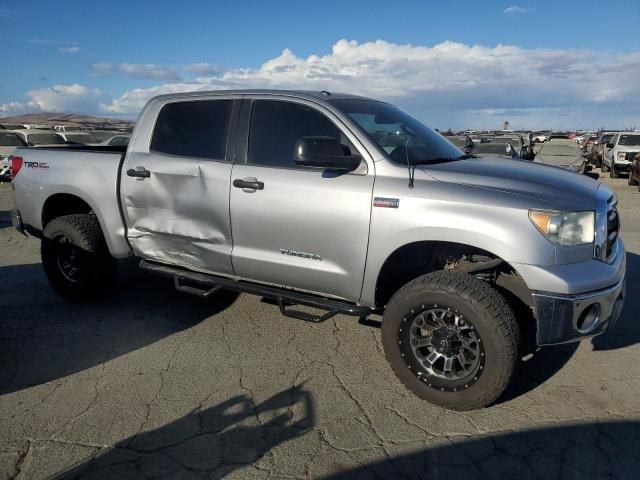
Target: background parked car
{"x": 40, "y": 137}
{"x": 8, "y": 143}
{"x": 79, "y": 138}
{"x": 619, "y": 152}
{"x": 598, "y": 148}
{"x": 634, "y": 171}
{"x": 12, "y": 126}
{"x": 117, "y": 141}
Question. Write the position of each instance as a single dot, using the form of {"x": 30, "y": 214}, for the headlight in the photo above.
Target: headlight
{"x": 565, "y": 228}
{"x": 622, "y": 155}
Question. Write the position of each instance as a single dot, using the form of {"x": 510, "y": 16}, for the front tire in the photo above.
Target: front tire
{"x": 605, "y": 167}
{"x": 451, "y": 339}
{"x": 613, "y": 173}
{"x": 631, "y": 179}
{"x": 76, "y": 259}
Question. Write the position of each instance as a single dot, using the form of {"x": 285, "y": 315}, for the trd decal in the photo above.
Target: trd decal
{"x": 384, "y": 202}
{"x": 36, "y": 165}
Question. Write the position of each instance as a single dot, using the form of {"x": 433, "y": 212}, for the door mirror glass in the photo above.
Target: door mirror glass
{"x": 324, "y": 152}
{"x": 609, "y": 145}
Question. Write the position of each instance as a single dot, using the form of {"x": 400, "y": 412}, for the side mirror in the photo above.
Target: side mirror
{"x": 324, "y": 152}
{"x": 609, "y": 145}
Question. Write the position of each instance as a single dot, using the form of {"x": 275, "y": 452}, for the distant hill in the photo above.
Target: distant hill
{"x": 67, "y": 119}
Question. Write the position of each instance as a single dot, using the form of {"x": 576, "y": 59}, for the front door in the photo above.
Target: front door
{"x": 300, "y": 227}
{"x": 175, "y": 186}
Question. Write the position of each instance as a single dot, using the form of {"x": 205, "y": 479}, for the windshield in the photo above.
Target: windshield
{"x": 81, "y": 138}
{"x": 398, "y": 133}
{"x": 606, "y": 138}
{"x": 631, "y": 140}
{"x": 10, "y": 140}
{"x": 45, "y": 139}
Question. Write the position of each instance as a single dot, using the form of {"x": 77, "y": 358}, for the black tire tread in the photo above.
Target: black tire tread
{"x": 484, "y": 298}
{"x": 89, "y": 237}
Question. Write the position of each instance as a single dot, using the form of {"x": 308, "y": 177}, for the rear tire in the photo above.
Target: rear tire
{"x": 472, "y": 310}
{"x": 76, "y": 259}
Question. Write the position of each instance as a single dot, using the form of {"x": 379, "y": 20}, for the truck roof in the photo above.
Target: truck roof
{"x": 307, "y": 94}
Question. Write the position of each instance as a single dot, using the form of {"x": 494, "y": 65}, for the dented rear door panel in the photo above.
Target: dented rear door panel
{"x": 180, "y": 214}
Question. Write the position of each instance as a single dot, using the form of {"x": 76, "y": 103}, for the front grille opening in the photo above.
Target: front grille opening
{"x": 613, "y": 226}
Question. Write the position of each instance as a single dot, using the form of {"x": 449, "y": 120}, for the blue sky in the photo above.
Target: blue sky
{"x": 443, "y": 61}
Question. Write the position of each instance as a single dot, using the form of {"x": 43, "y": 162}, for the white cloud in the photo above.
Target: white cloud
{"x": 144, "y": 71}
{"x": 204, "y": 69}
{"x": 58, "y": 98}
{"x": 444, "y": 83}
{"x": 447, "y": 85}
{"x": 69, "y": 49}
{"x": 516, "y": 9}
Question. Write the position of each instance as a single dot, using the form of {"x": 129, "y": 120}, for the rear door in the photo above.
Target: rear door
{"x": 306, "y": 228}
{"x": 175, "y": 184}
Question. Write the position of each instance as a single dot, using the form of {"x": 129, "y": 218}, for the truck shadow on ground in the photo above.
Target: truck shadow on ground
{"x": 589, "y": 450}
{"x": 627, "y": 331}
{"x": 43, "y": 338}
{"x": 215, "y": 441}
{"x": 5, "y": 219}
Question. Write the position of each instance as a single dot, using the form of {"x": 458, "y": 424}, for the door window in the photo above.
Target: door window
{"x": 193, "y": 129}
{"x": 276, "y": 126}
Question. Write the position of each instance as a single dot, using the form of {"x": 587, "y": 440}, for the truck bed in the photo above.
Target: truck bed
{"x": 90, "y": 173}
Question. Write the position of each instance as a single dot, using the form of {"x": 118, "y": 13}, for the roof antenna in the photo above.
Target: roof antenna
{"x": 324, "y": 92}
{"x": 412, "y": 172}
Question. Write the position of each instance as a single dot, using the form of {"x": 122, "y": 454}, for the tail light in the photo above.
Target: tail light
{"x": 16, "y": 165}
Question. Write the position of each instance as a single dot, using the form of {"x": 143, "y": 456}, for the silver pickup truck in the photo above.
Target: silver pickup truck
{"x": 344, "y": 204}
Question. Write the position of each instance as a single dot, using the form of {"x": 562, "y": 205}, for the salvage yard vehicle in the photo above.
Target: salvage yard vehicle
{"x": 634, "y": 170}
{"x": 82, "y": 138}
{"x": 34, "y": 137}
{"x": 598, "y": 149}
{"x": 619, "y": 152}
{"x": 9, "y": 141}
{"x": 345, "y": 204}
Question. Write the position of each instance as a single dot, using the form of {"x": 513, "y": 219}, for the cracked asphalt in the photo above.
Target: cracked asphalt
{"x": 150, "y": 383}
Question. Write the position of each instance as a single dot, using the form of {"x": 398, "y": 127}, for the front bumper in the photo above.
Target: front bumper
{"x": 568, "y": 318}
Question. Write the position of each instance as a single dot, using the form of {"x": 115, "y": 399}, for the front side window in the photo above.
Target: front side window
{"x": 402, "y": 137}
{"x": 276, "y": 126}
{"x": 193, "y": 129}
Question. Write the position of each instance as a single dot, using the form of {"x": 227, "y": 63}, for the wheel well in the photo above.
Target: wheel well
{"x": 415, "y": 259}
{"x": 62, "y": 204}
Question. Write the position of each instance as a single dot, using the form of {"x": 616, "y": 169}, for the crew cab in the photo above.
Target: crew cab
{"x": 345, "y": 204}
{"x": 619, "y": 152}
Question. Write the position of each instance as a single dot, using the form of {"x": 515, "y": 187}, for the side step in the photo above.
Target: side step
{"x": 204, "y": 285}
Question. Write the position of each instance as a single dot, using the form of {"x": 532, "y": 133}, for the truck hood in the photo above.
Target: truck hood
{"x": 555, "y": 186}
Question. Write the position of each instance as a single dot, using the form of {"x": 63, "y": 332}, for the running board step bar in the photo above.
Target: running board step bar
{"x": 204, "y": 285}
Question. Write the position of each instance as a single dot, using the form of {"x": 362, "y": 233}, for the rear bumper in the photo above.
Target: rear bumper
{"x": 569, "y": 318}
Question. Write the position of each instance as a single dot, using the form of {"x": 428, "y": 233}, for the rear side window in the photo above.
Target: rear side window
{"x": 276, "y": 127}
{"x": 193, "y": 129}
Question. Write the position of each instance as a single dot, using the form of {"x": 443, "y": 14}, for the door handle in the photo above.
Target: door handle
{"x": 139, "y": 173}
{"x": 249, "y": 183}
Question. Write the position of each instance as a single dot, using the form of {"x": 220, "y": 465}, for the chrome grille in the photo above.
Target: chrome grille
{"x": 613, "y": 227}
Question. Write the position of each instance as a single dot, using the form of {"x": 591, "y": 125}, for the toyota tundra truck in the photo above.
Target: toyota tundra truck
{"x": 345, "y": 204}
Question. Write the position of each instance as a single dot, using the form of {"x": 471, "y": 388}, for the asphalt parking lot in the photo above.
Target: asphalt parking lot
{"x": 156, "y": 384}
